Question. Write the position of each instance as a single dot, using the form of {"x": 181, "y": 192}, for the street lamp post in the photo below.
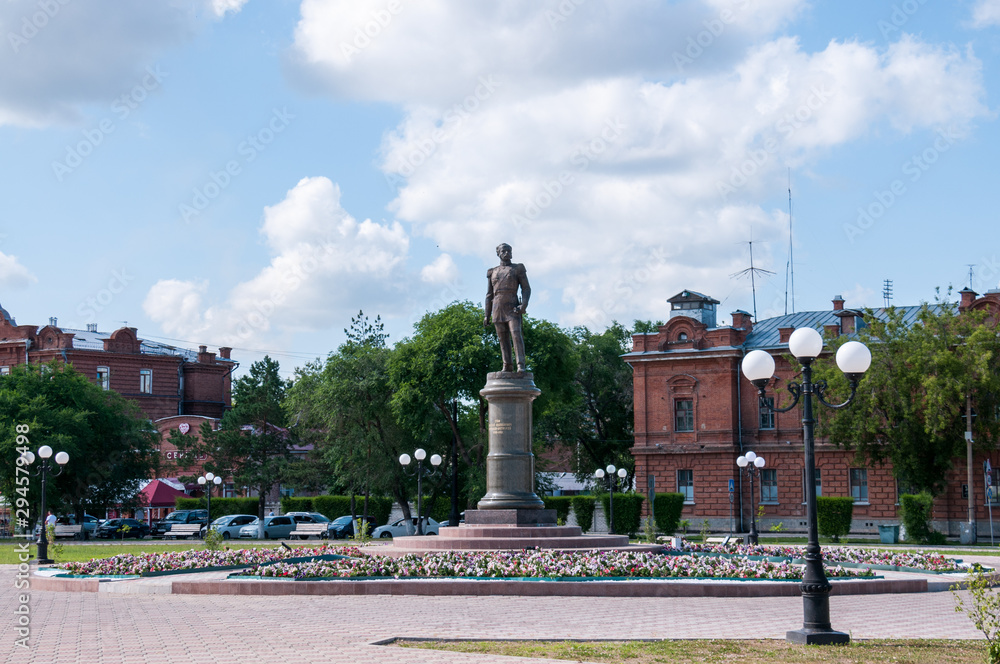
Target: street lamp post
{"x": 206, "y": 481}
{"x": 599, "y": 474}
{"x": 420, "y": 455}
{"x": 453, "y": 518}
{"x": 853, "y": 358}
{"x": 44, "y": 454}
{"x": 751, "y": 464}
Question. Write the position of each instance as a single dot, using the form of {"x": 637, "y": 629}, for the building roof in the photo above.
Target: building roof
{"x": 160, "y": 494}
{"x": 691, "y": 296}
{"x": 90, "y": 340}
{"x": 765, "y": 333}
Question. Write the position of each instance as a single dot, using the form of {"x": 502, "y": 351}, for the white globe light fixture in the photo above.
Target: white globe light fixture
{"x": 805, "y": 343}
{"x": 420, "y": 454}
{"x": 44, "y": 470}
{"x": 741, "y": 461}
{"x": 758, "y": 365}
{"x": 29, "y": 457}
{"x": 622, "y": 473}
{"x": 759, "y": 462}
{"x": 610, "y": 469}
{"x": 44, "y": 452}
{"x": 436, "y": 460}
{"x": 854, "y": 358}
{"x": 404, "y": 459}
{"x": 599, "y": 473}
{"x": 62, "y": 458}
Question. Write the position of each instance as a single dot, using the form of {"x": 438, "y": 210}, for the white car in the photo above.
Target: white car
{"x": 401, "y": 528}
{"x": 229, "y": 525}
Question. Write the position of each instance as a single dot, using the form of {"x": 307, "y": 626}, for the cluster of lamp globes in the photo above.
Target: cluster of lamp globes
{"x": 599, "y": 473}
{"x": 44, "y": 453}
{"x": 750, "y": 459}
{"x": 420, "y": 455}
{"x": 805, "y": 344}
{"x": 209, "y": 478}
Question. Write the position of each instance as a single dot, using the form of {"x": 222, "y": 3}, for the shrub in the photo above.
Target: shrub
{"x": 984, "y": 609}
{"x": 667, "y": 510}
{"x": 628, "y": 511}
{"x": 292, "y": 504}
{"x": 583, "y": 508}
{"x": 220, "y": 506}
{"x": 915, "y": 511}
{"x": 561, "y": 504}
{"x": 833, "y": 516}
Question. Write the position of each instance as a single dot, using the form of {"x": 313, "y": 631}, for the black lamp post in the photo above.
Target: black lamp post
{"x": 420, "y": 455}
{"x": 599, "y": 474}
{"x": 853, "y": 358}
{"x": 751, "y": 465}
{"x": 62, "y": 458}
{"x": 206, "y": 481}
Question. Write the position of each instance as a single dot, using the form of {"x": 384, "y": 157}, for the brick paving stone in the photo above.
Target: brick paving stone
{"x": 107, "y": 628}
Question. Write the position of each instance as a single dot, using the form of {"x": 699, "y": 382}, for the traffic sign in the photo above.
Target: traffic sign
{"x": 732, "y": 485}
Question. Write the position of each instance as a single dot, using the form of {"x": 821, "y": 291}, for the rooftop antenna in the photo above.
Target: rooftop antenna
{"x": 970, "y": 266}
{"x": 887, "y": 292}
{"x": 790, "y": 265}
{"x": 753, "y": 272}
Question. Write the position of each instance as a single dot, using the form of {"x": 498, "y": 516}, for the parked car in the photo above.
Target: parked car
{"x": 180, "y": 516}
{"x": 343, "y": 526}
{"x": 90, "y": 524}
{"x": 122, "y": 528}
{"x": 308, "y": 517}
{"x": 275, "y": 527}
{"x": 399, "y": 528}
{"x": 229, "y": 526}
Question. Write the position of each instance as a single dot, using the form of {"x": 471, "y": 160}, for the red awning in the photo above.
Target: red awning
{"x": 160, "y": 494}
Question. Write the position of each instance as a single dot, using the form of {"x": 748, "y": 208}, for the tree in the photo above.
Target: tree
{"x": 911, "y": 404}
{"x": 252, "y": 443}
{"x": 343, "y": 405}
{"x": 111, "y": 444}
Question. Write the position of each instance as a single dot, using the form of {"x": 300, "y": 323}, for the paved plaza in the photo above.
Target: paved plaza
{"x": 103, "y": 628}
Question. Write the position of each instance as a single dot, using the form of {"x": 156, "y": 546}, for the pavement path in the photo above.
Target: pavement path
{"x": 105, "y": 628}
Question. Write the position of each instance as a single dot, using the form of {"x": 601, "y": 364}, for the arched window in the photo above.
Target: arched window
{"x": 682, "y": 336}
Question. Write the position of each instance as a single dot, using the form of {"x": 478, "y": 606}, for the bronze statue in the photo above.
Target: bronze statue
{"x": 504, "y": 309}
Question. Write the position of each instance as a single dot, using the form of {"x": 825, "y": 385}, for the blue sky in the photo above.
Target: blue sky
{"x": 251, "y": 173}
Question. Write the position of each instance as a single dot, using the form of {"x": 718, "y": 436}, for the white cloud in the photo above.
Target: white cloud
{"x": 442, "y": 271}
{"x": 986, "y": 13}
{"x": 326, "y": 265}
{"x": 59, "y": 57}
{"x": 220, "y": 7}
{"x": 13, "y": 274}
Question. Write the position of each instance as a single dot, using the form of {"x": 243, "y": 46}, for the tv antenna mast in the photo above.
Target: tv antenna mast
{"x": 753, "y": 272}
{"x": 790, "y": 265}
{"x": 970, "y": 266}
{"x": 887, "y": 292}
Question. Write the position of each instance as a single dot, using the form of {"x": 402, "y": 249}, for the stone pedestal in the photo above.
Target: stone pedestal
{"x": 540, "y": 517}
{"x": 510, "y": 464}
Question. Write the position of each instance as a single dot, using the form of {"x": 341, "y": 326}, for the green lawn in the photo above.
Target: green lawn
{"x": 728, "y": 651}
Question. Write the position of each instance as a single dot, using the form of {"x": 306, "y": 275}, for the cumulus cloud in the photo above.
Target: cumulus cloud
{"x": 13, "y": 274}
{"x": 442, "y": 271}
{"x": 622, "y": 148}
{"x": 61, "y": 56}
{"x": 986, "y": 13}
{"x": 325, "y": 265}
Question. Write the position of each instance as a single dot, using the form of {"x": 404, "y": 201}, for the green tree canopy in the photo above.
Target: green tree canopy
{"x": 111, "y": 444}
{"x": 910, "y": 406}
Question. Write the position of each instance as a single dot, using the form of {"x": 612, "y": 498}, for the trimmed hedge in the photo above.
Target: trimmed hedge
{"x": 628, "y": 511}
{"x": 834, "y": 515}
{"x": 220, "y": 506}
{"x": 561, "y": 504}
{"x": 583, "y": 508}
{"x": 667, "y": 509}
{"x": 332, "y": 507}
{"x": 915, "y": 512}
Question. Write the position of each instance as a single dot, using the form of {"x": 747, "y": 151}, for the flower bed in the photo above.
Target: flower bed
{"x": 540, "y": 564}
{"x": 147, "y": 564}
{"x": 882, "y": 558}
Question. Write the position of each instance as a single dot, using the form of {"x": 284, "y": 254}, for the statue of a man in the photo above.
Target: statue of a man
{"x": 504, "y": 309}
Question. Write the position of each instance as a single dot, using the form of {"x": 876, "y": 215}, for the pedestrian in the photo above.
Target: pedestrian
{"x": 50, "y": 520}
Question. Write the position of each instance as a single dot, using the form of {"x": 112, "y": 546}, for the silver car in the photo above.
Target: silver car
{"x": 400, "y": 528}
{"x": 229, "y": 526}
{"x": 275, "y": 527}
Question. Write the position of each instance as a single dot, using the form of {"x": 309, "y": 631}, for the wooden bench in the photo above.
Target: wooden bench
{"x": 307, "y": 530}
{"x": 184, "y": 530}
{"x": 722, "y": 541}
{"x": 76, "y": 532}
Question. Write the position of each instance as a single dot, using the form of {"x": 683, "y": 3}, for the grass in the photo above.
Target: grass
{"x": 84, "y": 552}
{"x": 728, "y": 651}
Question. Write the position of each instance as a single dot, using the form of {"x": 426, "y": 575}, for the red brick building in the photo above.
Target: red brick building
{"x": 695, "y": 414}
{"x": 163, "y": 380}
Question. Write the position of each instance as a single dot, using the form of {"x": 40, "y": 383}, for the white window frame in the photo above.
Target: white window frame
{"x": 687, "y": 488}
{"x": 772, "y": 472}
{"x": 862, "y": 485}
{"x": 145, "y": 386}
{"x": 105, "y": 383}
{"x": 4, "y": 371}
{"x": 677, "y": 412}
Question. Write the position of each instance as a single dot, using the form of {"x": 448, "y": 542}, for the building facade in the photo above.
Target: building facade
{"x": 695, "y": 414}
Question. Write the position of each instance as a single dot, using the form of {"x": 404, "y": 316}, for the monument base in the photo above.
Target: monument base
{"x": 511, "y": 537}
{"x": 515, "y": 517}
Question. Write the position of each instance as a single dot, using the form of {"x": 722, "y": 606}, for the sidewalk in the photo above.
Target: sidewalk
{"x": 110, "y": 627}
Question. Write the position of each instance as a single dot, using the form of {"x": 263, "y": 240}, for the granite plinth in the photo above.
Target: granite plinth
{"x": 511, "y": 537}
{"x": 510, "y": 464}
{"x": 515, "y": 517}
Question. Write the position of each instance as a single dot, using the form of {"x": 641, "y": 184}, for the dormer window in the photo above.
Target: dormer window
{"x": 682, "y": 336}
